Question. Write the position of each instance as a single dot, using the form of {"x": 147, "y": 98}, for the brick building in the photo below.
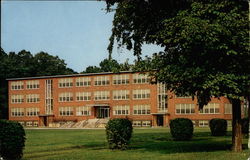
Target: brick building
{"x": 81, "y": 98}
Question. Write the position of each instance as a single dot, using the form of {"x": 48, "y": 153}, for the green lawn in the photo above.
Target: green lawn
{"x": 146, "y": 144}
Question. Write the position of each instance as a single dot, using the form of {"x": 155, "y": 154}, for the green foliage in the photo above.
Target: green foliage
{"x": 206, "y": 44}
{"x": 109, "y": 65}
{"x": 24, "y": 64}
{"x": 181, "y": 129}
{"x": 119, "y": 132}
{"x": 218, "y": 127}
{"x": 12, "y": 140}
{"x": 245, "y": 125}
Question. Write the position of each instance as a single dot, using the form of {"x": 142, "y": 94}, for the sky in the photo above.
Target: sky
{"x": 77, "y": 31}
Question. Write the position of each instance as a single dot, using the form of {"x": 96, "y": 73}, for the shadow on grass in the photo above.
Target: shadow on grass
{"x": 163, "y": 143}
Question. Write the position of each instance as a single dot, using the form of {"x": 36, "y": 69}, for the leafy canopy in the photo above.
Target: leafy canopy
{"x": 206, "y": 44}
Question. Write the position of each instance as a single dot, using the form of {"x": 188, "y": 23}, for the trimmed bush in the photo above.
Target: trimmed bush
{"x": 12, "y": 140}
{"x": 245, "y": 125}
{"x": 181, "y": 129}
{"x": 119, "y": 132}
{"x": 218, "y": 127}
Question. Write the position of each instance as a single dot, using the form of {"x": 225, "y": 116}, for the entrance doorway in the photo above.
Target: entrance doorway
{"x": 102, "y": 112}
{"x": 160, "y": 120}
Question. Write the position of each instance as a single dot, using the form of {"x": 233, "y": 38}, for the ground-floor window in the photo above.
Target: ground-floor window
{"x": 203, "y": 123}
{"x": 229, "y": 123}
{"x": 29, "y": 123}
{"x": 141, "y": 123}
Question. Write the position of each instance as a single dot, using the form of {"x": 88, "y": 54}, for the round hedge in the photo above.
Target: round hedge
{"x": 12, "y": 140}
{"x": 119, "y": 132}
{"x": 245, "y": 125}
{"x": 218, "y": 127}
{"x": 181, "y": 129}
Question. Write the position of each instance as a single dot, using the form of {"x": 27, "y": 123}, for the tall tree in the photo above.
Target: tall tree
{"x": 206, "y": 47}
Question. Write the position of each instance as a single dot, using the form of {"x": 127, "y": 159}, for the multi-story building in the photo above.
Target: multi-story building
{"x": 47, "y": 100}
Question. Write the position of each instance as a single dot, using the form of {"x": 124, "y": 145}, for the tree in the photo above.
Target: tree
{"x": 24, "y": 64}
{"x": 206, "y": 47}
{"x": 109, "y": 65}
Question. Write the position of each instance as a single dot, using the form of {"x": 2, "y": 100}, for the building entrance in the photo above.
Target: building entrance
{"x": 102, "y": 112}
{"x": 160, "y": 120}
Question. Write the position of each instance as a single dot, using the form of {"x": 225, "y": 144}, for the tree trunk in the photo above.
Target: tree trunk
{"x": 236, "y": 133}
{"x": 248, "y": 105}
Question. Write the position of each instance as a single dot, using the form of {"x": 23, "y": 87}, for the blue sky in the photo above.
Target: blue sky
{"x": 77, "y": 32}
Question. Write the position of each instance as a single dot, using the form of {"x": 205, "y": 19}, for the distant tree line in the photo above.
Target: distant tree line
{"x": 109, "y": 65}
{"x": 25, "y": 64}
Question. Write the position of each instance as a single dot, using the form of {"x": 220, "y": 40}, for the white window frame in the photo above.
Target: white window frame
{"x": 121, "y": 95}
{"x": 188, "y": 108}
{"x": 101, "y": 95}
{"x": 144, "y": 109}
{"x": 65, "y": 82}
{"x": 122, "y": 79}
{"x": 83, "y": 82}
{"x": 121, "y": 110}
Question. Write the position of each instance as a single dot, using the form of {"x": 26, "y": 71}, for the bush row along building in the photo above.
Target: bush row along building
{"x": 42, "y": 101}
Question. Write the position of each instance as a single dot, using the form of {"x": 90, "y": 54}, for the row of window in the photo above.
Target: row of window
{"x": 30, "y": 98}
{"x": 83, "y": 111}
{"x": 85, "y": 81}
{"x": 104, "y": 95}
{"x": 19, "y": 112}
{"x": 19, "y": 85}
{"x": 211, "y": 108}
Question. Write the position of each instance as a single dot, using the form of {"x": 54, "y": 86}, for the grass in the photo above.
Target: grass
{"x": 146, "y": 144}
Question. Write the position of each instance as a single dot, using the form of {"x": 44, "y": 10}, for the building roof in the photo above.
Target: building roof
{"x": 70, "y": 75}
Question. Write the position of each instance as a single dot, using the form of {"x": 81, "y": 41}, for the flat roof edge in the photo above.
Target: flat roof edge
{"x": 69, "y": 75}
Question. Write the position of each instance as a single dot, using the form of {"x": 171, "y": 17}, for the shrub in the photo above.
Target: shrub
{"x": 181, "y": 129}
{"x": 218, "y": 127}
{"x": 245, "y": 125}
{"x": 119, "y": 132}
{"x": 12, "y": 139}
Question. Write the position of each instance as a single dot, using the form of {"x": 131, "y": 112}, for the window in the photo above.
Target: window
{"x": 211, "y": 108}
{"x": 141, "y": 123}
{"x": 140, "y": 78}
{"x": 33, "y": 98}
{"x": 66, "y": 111}
{"x": 29, "y": 123}
{"x": 184, "y": 108}
{"x": 32, "y": 84}
{"x": 137, "y": 123}
{"x": 17, "y": 85}
{"x": 121, "y": 79}
{"x": 121, "y": 95}
{"x": 141, "y": 109}
{"x": 32, "y": 111}
{"x": 101, "y": 80}
{"x": 17, "y": 98}
{"x": 83, "y": 81}
{"x": 35, "y": 123}
{"x": 141, "y": 94}
{"x": 101, "y": 95}
{"x": 228, "y": 108}
{"x": 66, "y": 97}
{"x": 17, "y": 112}
{"x": 83, "y": 96}
{"x": 146, "y": 123}
{"x": 203, "y": 123}
{"x": 65, "y": 82}
{"x": 83, "y": 111}
{"x": 162, "y": 102}
{"x": 229, "y": 123}
{"x": 121, "y": 110}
